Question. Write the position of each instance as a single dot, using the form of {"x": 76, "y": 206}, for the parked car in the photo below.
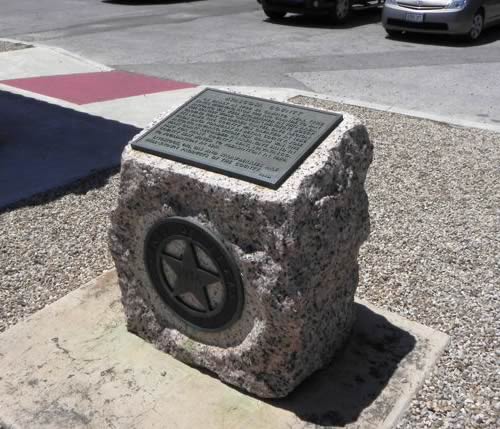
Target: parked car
{"x": 459, "y": 17}
{"x": 337, "y": 10}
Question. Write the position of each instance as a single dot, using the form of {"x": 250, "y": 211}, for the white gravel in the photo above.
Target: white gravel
{"x": 53, "y": 244}
{"x": 433, "y": 254}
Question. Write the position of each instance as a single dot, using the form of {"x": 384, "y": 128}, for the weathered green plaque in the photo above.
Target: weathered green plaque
{"x": 253, "y": 139}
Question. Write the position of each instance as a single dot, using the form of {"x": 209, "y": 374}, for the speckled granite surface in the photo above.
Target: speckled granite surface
{"x": 296, "y": 247}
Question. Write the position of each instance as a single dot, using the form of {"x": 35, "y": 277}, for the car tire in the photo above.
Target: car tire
{"x": 340, "y": 12}
{"x": 476, "y": 28}
{"x": 274, "y": 15}
{"x": 394, "y": 34}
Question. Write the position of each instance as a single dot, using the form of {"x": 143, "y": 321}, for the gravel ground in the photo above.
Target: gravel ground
{"x": 11, "y": 46}
{"x": 432, "y": 255}
{"x": 53, "y": 244}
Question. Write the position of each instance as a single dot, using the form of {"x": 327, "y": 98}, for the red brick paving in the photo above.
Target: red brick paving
{"x": 84, "y": 88}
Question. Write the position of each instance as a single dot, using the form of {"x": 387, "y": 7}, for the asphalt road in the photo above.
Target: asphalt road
{"x": 230, "y": 42}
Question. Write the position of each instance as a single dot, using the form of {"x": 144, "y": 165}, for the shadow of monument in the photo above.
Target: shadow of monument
{"x": 337, "y": 394}
{"x": 44, "y": 147}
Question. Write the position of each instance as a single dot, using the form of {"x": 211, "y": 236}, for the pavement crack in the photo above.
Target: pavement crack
{"x": 65, "y": 351}
{"x": 55, "y": 340}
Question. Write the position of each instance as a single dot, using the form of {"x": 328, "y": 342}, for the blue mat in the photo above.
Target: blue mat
{"x": 44, "y": 146}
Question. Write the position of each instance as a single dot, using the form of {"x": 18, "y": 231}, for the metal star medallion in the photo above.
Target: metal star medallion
{"x": 190, "y": 277}
{"x": 193, "y": 273}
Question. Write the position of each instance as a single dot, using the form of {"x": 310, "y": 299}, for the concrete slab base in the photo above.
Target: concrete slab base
{"x": 74, "y": 364}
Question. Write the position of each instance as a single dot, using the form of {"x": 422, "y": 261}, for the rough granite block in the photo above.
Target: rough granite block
{"x": 296, "y": 248}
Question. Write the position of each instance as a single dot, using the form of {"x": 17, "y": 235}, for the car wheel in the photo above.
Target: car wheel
{"x": 341, "y": 11}
{"x": 476, "y": 27}
{"x": 394, "y": 34}
{"x": 274, "y": 15}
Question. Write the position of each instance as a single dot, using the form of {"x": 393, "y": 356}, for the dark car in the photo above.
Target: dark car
{"x": 337, "y": 10}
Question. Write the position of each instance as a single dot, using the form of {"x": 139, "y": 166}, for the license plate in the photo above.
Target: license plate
{"x": 415, "y": 17}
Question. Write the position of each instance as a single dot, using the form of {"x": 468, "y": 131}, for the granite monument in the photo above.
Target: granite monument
{"x": 236, "y": 236}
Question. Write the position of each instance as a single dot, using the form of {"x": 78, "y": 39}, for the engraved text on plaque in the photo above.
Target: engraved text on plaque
{"x": 253, "y": 139}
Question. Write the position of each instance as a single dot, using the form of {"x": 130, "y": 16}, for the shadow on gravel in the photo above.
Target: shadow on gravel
{"x": 44, "y": 146}
{"x": 490, "y": 35}
{"x": 78, "y": 187}
{"x": 337, "y": 394}
{"x": 357, "y": 18}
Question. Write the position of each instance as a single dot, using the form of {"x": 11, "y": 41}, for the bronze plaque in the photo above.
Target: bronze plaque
{"x": 253, "y": 139}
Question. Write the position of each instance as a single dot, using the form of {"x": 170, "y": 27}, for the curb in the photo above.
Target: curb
{"x": 76, "y": 57}
{"x": 290, "y": 92}
{"x": 60, "y": 51}
{"x": 462, "y": 123}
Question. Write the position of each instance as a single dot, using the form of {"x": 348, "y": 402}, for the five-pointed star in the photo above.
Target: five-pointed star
{"x": 190, "y": 277}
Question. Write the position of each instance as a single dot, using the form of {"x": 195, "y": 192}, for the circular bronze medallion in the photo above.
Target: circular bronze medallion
{"x": 194, "y": 273}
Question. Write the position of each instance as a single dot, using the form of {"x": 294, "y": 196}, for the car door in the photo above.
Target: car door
{"x": 492, "y": 10}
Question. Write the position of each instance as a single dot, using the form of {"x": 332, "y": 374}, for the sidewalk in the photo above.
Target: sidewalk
{"x": 57, "y": 77}
{"x": 69, "y": 117}
{"x": 65, "y": 98}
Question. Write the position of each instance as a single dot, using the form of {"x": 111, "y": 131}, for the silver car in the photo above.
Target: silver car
{"x": 460, "y": 17}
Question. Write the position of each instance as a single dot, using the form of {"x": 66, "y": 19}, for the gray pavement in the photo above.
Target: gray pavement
{"x": 229, "y": 42}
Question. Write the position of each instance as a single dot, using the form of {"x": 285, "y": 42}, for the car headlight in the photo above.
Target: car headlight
{"x": 456, "y": 4}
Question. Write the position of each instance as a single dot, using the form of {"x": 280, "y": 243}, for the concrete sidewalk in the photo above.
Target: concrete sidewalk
{"x": 55, "y": 76}
{"x": 40, "y": 72}
{"x": 35, "y": 61}
{"x": 43, "y": 61}
{"x": 65, "y": 117}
